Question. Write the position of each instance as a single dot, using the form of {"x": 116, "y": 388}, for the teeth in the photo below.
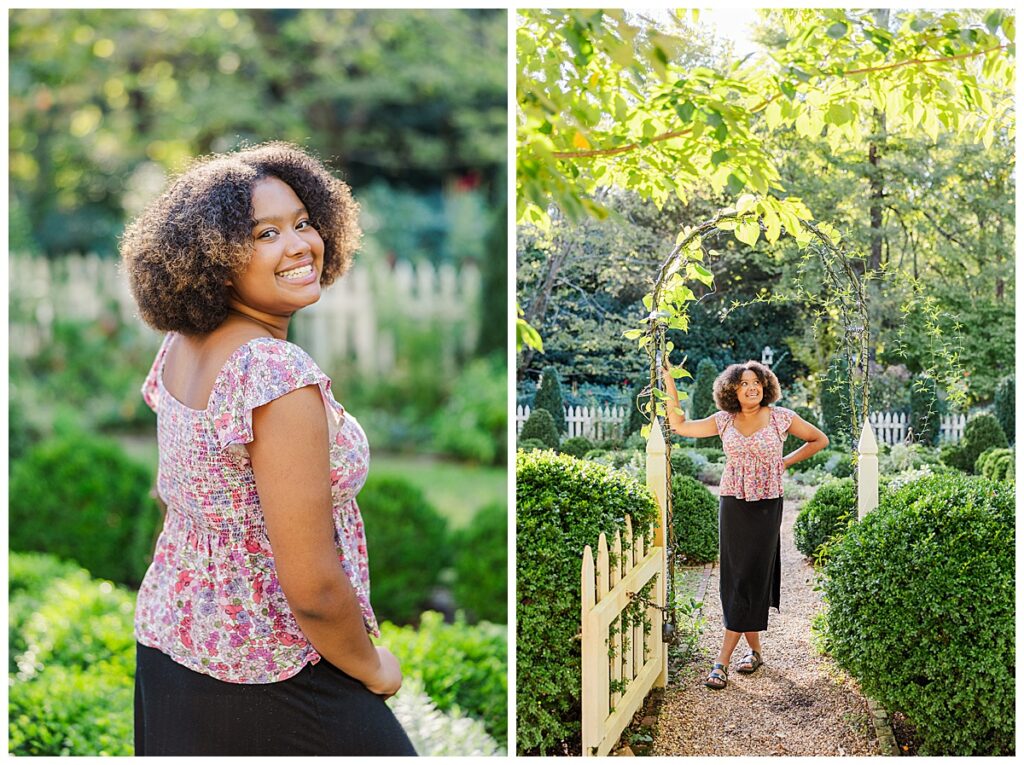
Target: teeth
{"x": 296, "y": 273}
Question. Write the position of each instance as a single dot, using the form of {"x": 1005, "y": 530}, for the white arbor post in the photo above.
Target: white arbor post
{"x": 867, "y": 471}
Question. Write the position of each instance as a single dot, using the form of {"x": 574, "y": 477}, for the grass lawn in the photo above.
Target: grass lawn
{"x": 457, "y": 490}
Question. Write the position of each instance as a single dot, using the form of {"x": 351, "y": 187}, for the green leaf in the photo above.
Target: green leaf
{"x": 721, "y": 132}
{"x": 632, "y": 334}
{"x": 736, "y": 185}
{"x": 837, "y": 30}
{"x": 714, "y": 119}
{"x": 702, "y": 274}
{"x": 747, "y": 231}
{"x": 719, "y": 157}
{"x": 993, "y": 19}
{"x": 685, "y": 111}
{"x": 788, "y": 90}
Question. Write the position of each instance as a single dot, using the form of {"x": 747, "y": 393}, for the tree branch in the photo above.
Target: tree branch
{"x": 678, "y": 133}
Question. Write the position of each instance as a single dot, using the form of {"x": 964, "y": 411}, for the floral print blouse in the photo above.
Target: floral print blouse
{"x": 754, "y": 463}
{"x": 211, "y": 599}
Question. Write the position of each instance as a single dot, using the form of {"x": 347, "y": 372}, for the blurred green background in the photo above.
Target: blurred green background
{"x": 409, "y": 107}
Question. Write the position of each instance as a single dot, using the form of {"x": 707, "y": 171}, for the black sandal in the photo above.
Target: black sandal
{"x": 718, "y": 678}
{"x": 753, "y": 658}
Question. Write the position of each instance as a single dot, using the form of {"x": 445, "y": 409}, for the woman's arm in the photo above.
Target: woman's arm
{"x": 291, "y": 462}
{"x": 677, "y": 420}
{"x": 816, "y": 440}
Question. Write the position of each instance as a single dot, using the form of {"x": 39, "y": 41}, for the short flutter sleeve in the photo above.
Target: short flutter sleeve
{"x": 260, "y": 371}
{"x": 151, "y": 387}
{"x": 782, "y": 417}
{"x": 722, "y": 420}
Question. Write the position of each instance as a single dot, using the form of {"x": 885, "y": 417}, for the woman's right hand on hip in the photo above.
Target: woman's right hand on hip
{"x": 388, "y": 678}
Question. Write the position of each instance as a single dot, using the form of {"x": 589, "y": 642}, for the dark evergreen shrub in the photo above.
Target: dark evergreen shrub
{"x": 540, "y": 426}
{"x": 1004, "y": 407}
{"x": 834, "y": 505}
{"x": 835, "y": 402}
{"x": 481, "y": 565}
{"x": 982, "y": 432}
{"x": 562, "y": 505}
{"x": 682, "y": 465}
{"x": 577, "y": 446}
{"x": 636, "y": 419}
{"x": 594, "y": 454}
{"x": 549, "y": 396}
{"x": 981, "y": 463}
{"x": 81, "y": 497}
{"x": 816, "y": 460}
{"x": 704, "y": 399}
{"x": 407, "y": 542}
{"x": 925, "y": 417}
{"x": 996, "y": 464}
{"x": 920, "y": 600}
{"x": 694, "y": 520}
{"x": 793, "y": 443}
{"x": 22, "y": 433}
{"x": 703, "y": 404}
{"x": 839, "y": 464}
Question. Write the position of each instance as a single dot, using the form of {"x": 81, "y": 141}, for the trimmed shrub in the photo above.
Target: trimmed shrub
{"x": 532, "y": 444}
{"x": 481, "y": 564}
{"x": 539, "y": 426}
{"x": 460, "y": 666}
{"x": 816, "y": 460}
{"x": 920, "y": 600}
{"x": 925, "y": 417}
{"x": 1004, "y": 407}
{"x": 694, "y": 520}
{"x": 594, "y": 454}
{"x": 635, "y": 443}
{"x": 981, "y": 432}
{"x": 682, "y": 464}
{"x": 577, "y": 446}
{"x": 792, "y": 443}
{"x": 407, "y": 540}
{"x": 81, "y": 497}
{"x": 711, "y": 453}
{"x": 995, "y": 464}
{"x": 549, "y": 397}
{"x": 22, "y": 433}
{"x": 839, "y": 464}
{"x": 474, "y": 423}
{"x": 563, "y": 504}
{"x": 834, "y": 504}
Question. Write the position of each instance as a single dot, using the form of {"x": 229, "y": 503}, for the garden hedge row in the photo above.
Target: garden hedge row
{"x": 563, "y": 504}
{"x": 920, "y": 598}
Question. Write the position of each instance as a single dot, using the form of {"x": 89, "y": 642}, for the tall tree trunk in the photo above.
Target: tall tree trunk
{"x": 534, "y": 312}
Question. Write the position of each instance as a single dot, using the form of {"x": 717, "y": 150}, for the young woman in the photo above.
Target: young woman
{"x": 750, "y": 499}
{"x": 254, "y": 620}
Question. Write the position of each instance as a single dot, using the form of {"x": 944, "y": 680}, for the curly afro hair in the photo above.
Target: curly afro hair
{"x": 727, "y": 383}
{"x": 190, "y": 241}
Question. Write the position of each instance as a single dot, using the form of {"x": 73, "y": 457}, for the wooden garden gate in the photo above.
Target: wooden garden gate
{"x": 619, "y": 670}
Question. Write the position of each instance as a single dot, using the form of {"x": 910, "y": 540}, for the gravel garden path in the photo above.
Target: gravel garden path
{"x": 797, "y": 703}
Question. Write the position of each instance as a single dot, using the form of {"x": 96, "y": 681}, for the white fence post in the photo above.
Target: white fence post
{"x": 867, "y": 471}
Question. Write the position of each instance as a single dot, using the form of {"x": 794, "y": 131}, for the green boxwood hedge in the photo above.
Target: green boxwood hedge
{"x": 920, "y": 600}
{"x": 79, "y": 496}
{"x": 408, "y": 545}
{"x": 981, "y": 433}
{"x": 577, "y": 446}
{"x": 481, "y": 565}
{"x": 539, "y": 426}
{"x": 694, "y": 520}
{"x": 682, "y": 464}
{"x": 563, "y": 505}
{"x": 827, "y": 513}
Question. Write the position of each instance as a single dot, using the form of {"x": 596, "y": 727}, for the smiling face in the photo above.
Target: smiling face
{"x": 749, "y": 390}
{"x": 283, "y": 274}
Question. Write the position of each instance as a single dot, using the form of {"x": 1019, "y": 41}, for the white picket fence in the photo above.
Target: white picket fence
{"x": 596, "y": 424}
{"x": 618, "y": 671}
{"x": 607, "y": 422}
{"x": 355, "y": 319}
{"x": 892, "y": 427}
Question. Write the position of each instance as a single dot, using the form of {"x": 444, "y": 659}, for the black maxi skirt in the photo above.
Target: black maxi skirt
{"x": 321, "y": 710}
{"x": 750, "y": 561}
